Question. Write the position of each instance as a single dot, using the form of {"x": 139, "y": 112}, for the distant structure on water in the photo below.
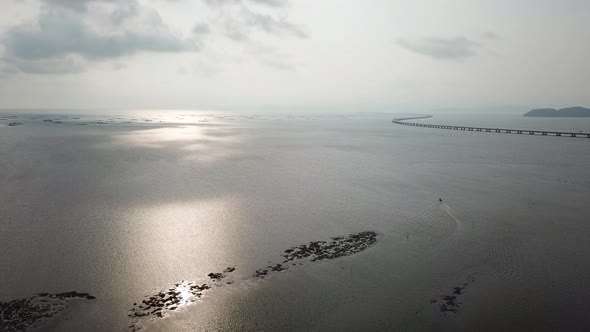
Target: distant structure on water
{"x": 404, "y": 121}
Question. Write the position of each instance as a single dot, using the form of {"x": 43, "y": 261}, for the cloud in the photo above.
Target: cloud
{"x": 271, "y": 3}
{"x": 64, "y": 65}
{"x": 70, "y": 35}
{"x": 239, "y": 25}
{"x": 124, "y": 12}
{"x": 272, "y": 25}
{"x": 77, "y": 5}
{"x": 257, "y": 31}
{"x": 442, "y": 48}
{"x": 61, "y": 35}
{"x": 489, "y": 35}
{"x": 222, "y": 2}
{"x": 201, "y": 29}
{"x": 64, "y": 41}
{"x": 238, "y": 20}
{"x": 235, "y": 30}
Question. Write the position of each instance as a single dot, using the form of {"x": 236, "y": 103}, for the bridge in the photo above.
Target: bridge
{"x": 405, "y": 122}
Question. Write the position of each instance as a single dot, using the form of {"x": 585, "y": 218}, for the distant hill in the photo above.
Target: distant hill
{"x": 569, "y": 112}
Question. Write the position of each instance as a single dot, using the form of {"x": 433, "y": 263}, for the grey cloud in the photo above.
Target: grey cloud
{"x": 489, "y": 35}
{"x": 271, "y": 3}
{"x": 222, "y": 2}
{"x": 201, "y": 29}
{"x": 442, "y": 48}
{"x": 48, "y": 48}
{"x": 119, "y": 66}
{"x": 65, "y": 65}
{"x": 271, "y": 25}
{"x": 124, "y": 12}
{"x": 237, "y": 23}
{"x": 242, "y": 22}
{"x": 60, "y": 35}
{"x": 64, "y": 39}
{"x": 77, "y": 5}
{"x": 238, "y": 27}
{"x": 235, "y": 31}
{"x": 121, "y": 10}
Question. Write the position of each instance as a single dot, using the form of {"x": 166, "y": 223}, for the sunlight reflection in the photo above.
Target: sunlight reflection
{"x": 185, "y": 294}
{"x": 200, "y": 143}
{"x": 159, "y": 136}
{"x": 188, "y": 239}
{"x": 178, "y": 116}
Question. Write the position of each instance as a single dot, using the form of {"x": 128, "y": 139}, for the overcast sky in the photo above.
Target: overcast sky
{"x": 294, "y": 54}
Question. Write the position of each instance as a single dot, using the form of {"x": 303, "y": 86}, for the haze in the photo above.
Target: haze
{"x": 297, "y": 55}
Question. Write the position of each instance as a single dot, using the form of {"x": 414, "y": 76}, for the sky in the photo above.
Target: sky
{"x": 310, "y": 55}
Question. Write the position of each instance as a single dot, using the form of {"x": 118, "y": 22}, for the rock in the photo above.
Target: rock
{"x": 20, "y": 314}
{"x": 451, "y": 304}
{"x": 216, "y": 276}
{"x": 314, "y": 251}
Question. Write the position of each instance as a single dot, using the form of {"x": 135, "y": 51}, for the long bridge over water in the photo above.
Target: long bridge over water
{"x": 404, "y": 121}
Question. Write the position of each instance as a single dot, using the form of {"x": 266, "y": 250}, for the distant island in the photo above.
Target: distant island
{"x": 569, "y": 112}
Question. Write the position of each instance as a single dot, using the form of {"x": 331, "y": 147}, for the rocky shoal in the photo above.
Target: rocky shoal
{"x": 21, "y": 314}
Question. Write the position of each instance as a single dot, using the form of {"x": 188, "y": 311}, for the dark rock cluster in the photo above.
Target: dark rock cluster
{"x": 181, "y": 294}
{"x": 160, "y": 304}
{"x": 58, "y": 121}
{"x": 321, "y": 250}
{"x": 169, "y": 299}
{"x": 20, "y": 314}
{"x": 260, "y": 273}
{"x": 450, "y": 301}
{"x": 216, "y": 276}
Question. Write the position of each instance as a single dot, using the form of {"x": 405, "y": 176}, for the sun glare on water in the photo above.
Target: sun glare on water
{"x": 183, "y": 289}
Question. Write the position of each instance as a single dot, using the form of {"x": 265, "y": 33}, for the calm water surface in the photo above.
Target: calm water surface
{"x": 128, "y": 204}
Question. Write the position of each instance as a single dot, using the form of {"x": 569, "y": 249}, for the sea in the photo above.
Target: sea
{"x": 178, "y": 220}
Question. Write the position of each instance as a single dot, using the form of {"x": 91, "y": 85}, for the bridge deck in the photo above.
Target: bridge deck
{"x": 404, "y": 121}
